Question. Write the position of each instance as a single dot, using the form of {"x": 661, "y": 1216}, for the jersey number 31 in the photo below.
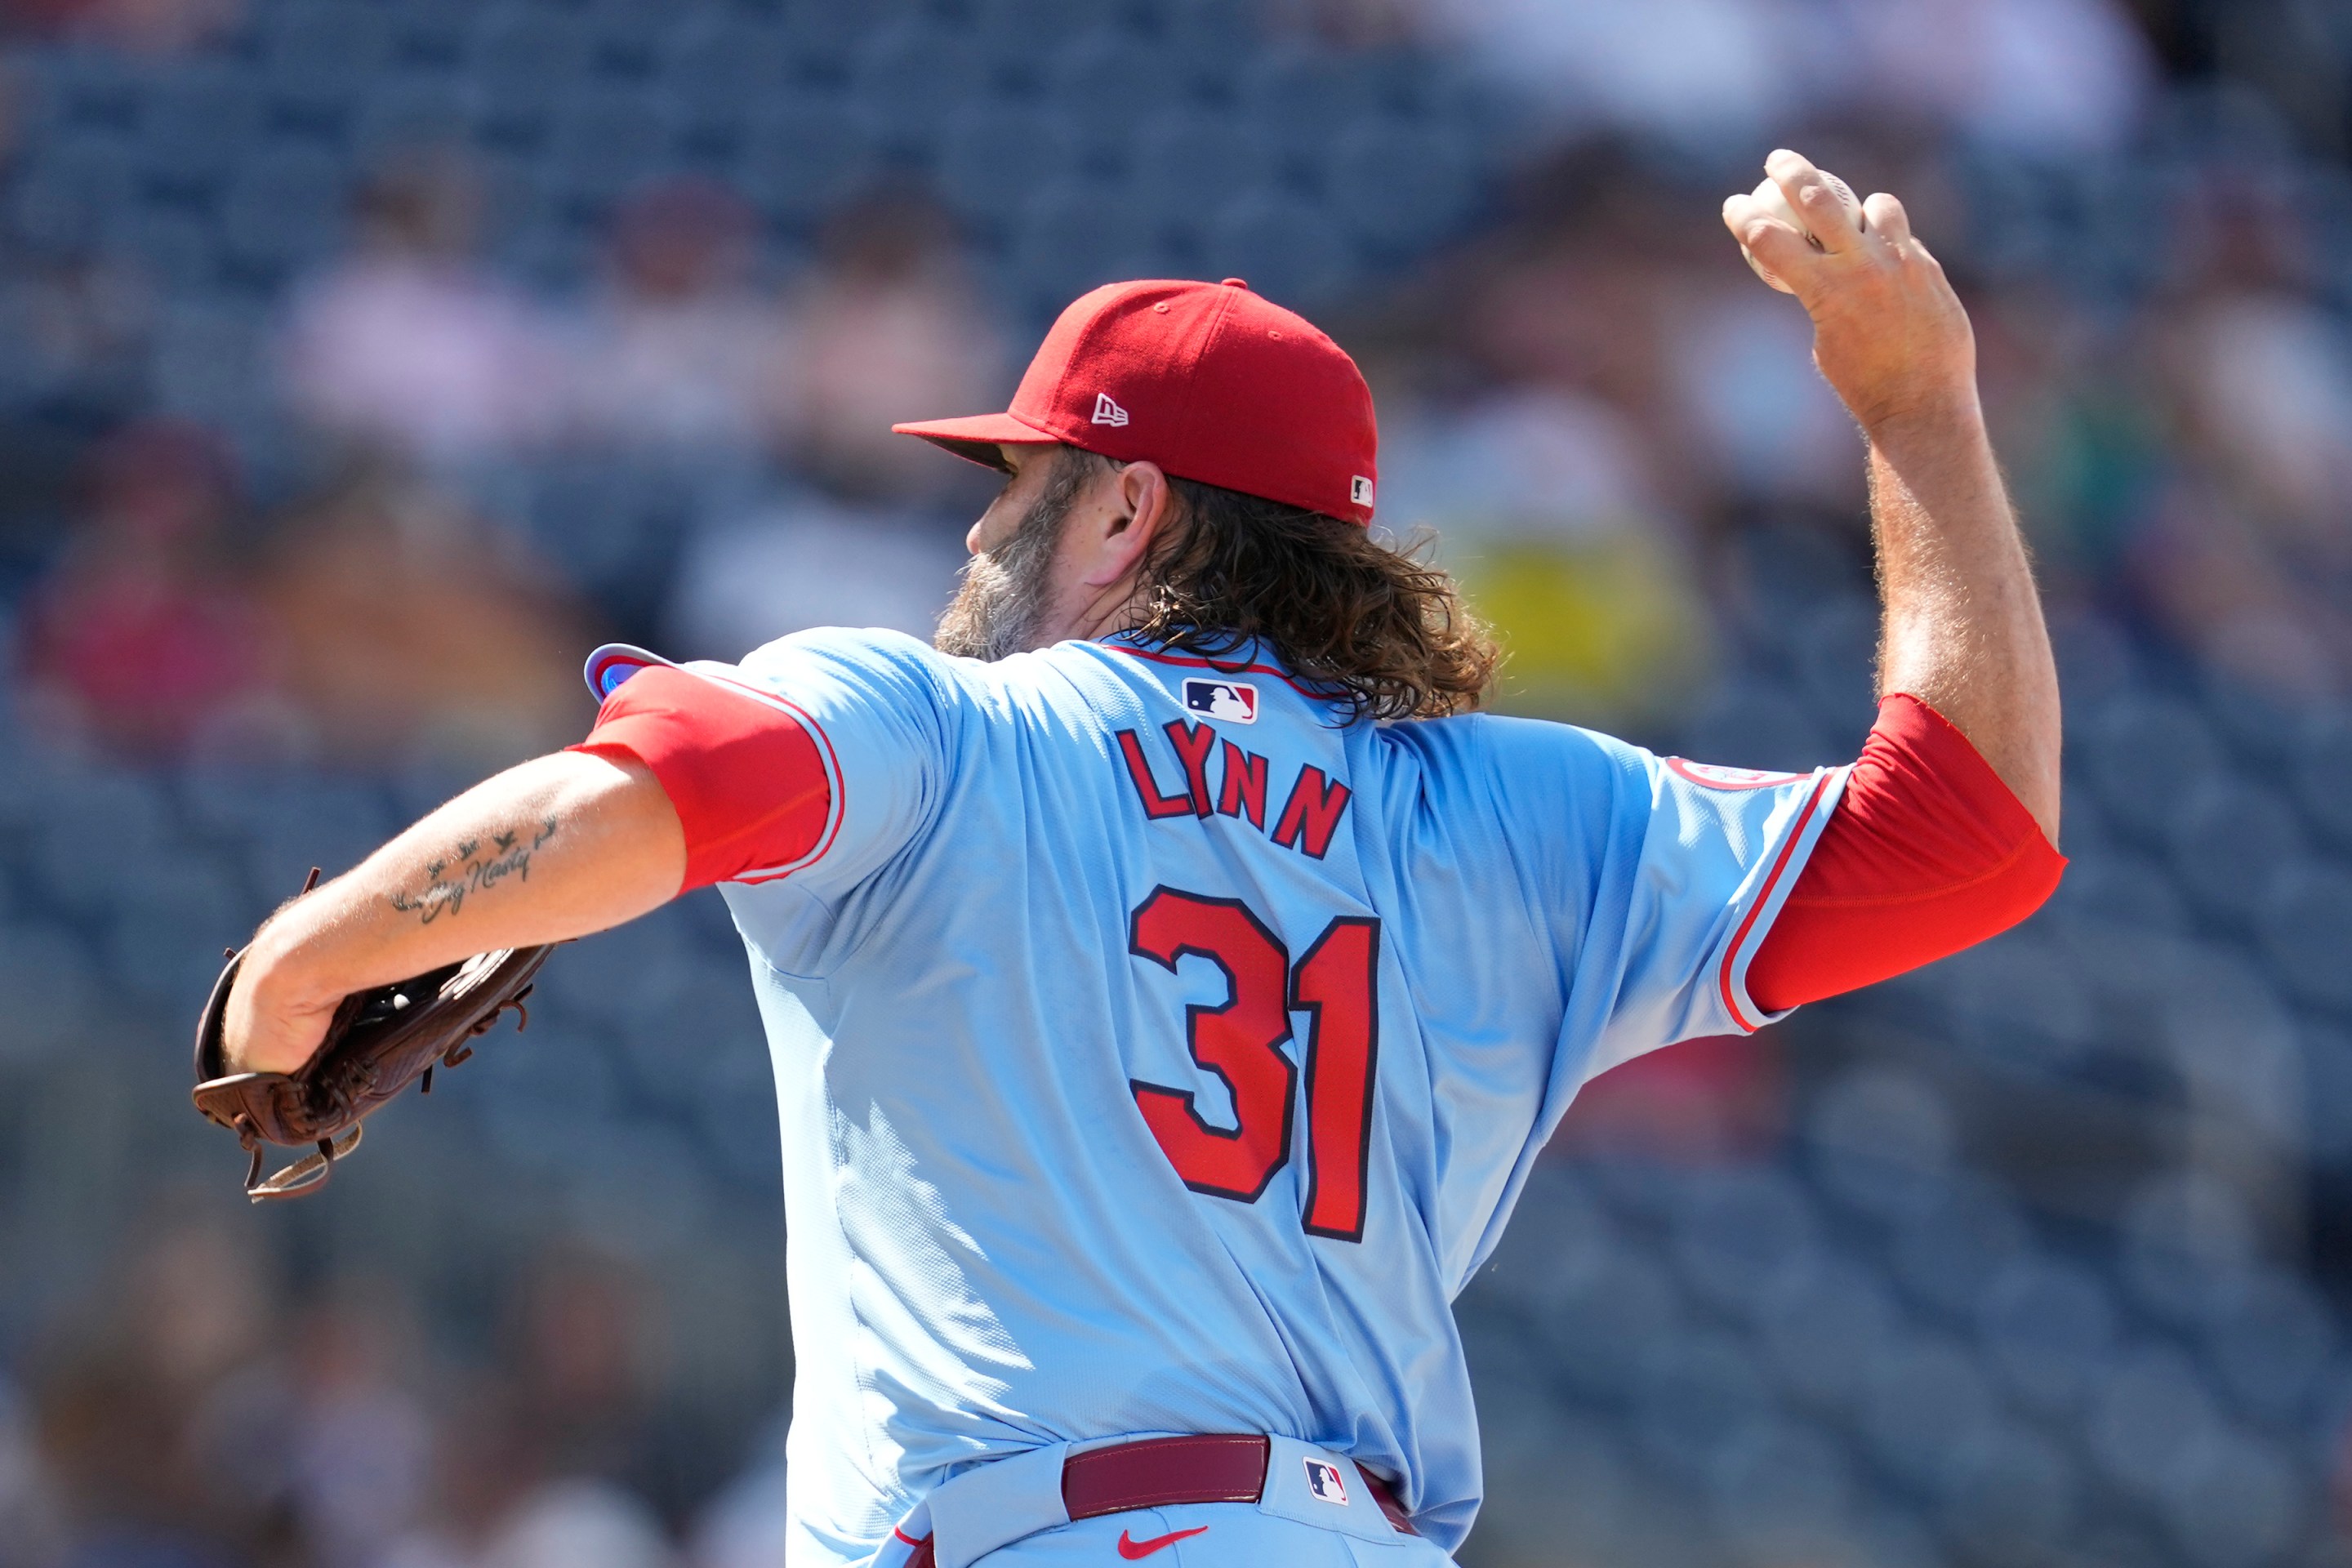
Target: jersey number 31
{"x": 1241, "y": 1042}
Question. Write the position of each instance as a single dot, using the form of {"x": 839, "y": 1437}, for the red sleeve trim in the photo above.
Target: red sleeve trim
{"x": 1764, "y": 896}
{"x": 752, "y": 778}
{"x": 1927, "y": 853}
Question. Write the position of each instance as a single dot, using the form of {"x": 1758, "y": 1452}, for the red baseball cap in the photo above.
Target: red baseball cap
{"x": 1207, "y": 380}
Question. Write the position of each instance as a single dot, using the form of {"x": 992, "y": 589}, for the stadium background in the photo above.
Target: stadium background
{"x": 364, "y": 362}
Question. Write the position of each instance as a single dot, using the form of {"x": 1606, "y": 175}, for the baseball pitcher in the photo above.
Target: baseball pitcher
{"x": 1170, "y": 976}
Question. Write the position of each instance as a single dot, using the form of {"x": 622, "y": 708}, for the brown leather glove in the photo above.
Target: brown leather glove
{"x": 379, "y": 1043}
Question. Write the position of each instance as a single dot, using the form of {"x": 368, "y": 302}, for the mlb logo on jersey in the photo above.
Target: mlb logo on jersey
{"x": 1234, "y": 702}
{"x": 1323, "y": 1481}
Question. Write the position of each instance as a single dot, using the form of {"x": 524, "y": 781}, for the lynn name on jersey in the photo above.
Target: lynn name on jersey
{"x": 1311, "y": 809}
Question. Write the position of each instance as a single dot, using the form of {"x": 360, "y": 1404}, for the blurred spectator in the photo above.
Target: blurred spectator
{"x": 1547, "y": 508}
{"x": 115, "y": 1439}
{"x": 2290, "y": 53}
{"x": 1741, "y": 360}
{"x": 501, "y": 1507}
{"x": 76, "y": 327}
{"x": 748, "y": 1524}
{"x": 361, "y": 1441}
{"x": 1546, "y": 473}
{"x": 2051, "y": 77}
{"x": 2273, "y": 393}
{"x": 585, "y": 1354}
{"x": 31, "y": 1534}
{"x": 2048, "y": 79}
{"x": 1350, "y": 23}
{"x": 411, "y": 631}
{"x": 812, "y": 561}
{"x": 579, "y": 1524}
{"x": 143, "y": 639}
{"x": 183, "y": 1429}
{"x": 2250, "y": 557}
{"x": 1720, "y": 1101}
{"x": 2073, "y": 419}
{"x": 537, "y": 1465}
{"x": 485, "y": 1463}
{"x": 886, "y": 326}
{"x": 153, "y": 26}
{"x": 1577, "y": 294}
{"x": 124, "y": 1401}
{"x": 74, "y": 338}
{"x": 1617, "y": 282}
{"x": 1704, "y": 70}
{"x": 680, "y": 355}
{"x": 407, "y": 348}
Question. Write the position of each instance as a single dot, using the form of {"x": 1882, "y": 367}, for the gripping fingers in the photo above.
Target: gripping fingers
{"x": 1886, "y": 218}
{"x": 1777, "y": 252}
{"x": 1811, "y": 195}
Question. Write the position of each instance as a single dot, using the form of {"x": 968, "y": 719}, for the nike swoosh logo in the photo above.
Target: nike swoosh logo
{"x": 1132, "y": 1549}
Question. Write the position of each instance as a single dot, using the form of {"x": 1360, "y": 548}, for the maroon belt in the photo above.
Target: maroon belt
{"x": 1162, "y": 1472}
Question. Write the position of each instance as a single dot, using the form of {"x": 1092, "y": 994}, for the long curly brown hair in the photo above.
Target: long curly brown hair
{"x": 1378, "y": 629}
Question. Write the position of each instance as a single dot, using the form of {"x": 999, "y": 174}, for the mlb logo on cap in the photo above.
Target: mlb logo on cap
{"x": 1234, "y": 702}
{"x": 1323, "y": 1481}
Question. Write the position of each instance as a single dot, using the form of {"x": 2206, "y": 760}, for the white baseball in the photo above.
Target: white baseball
{"x": 1772, "y": 204}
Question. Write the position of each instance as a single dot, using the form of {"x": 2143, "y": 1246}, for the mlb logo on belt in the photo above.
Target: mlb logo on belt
{"x": 1323, "y": 1481}
{"x": 1234, "y": 702}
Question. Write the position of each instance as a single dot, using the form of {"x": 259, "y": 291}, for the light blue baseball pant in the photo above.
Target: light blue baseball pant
{"x": 1009, "y": 1514}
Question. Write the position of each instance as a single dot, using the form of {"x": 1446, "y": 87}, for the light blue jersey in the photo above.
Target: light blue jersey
{"x": 1158, "y": 1054}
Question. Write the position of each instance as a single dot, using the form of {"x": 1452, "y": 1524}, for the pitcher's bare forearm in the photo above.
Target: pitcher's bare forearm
{"x": 1963, "y": 630}
{"x": 557, "y": 848}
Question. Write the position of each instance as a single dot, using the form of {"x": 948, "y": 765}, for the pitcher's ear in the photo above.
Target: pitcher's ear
{"x": 1146, "y": 495}
{"x": 1145, "y": 504}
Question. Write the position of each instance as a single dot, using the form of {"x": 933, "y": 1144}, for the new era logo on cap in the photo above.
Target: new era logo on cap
{"x": 1107, "y": 412}
{"x": 1360, "y": 489}
{"x": 1234, "y": 702}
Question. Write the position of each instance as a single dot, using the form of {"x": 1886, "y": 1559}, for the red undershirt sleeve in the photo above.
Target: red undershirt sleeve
{"x": 1929, "y": 852}
{"x": 746, "y": 778}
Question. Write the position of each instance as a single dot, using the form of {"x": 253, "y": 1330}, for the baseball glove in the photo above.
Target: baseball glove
{"x": 379, "y": 1042}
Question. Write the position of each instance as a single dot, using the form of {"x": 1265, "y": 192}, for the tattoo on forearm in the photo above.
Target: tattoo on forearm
{"x": 450, "y": 880}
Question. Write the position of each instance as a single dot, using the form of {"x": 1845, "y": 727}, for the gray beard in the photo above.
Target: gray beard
{"x": 1001, "y": 601}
